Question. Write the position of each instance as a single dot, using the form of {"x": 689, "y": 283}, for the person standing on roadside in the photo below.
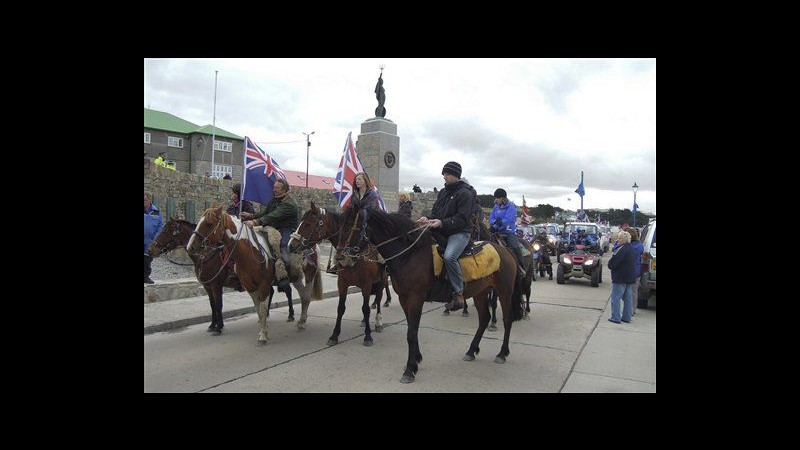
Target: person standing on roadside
{"x": 623, "y": 274}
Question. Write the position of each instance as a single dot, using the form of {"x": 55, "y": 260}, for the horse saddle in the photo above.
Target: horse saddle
{"x": 475, "y": 264}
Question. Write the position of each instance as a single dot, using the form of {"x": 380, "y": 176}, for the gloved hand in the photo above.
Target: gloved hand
{"x": 498, "y": 223}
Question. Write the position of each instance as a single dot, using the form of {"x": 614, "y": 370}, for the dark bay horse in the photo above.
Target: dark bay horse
{"x": 407, "y": 251}
{"x": 317, "y": 225}
{"x": 176, "y": 233}
{"x": 255, "y": 263}
{"x": 530, "y": 275}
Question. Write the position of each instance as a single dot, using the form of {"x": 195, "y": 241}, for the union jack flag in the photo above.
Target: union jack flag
{"x": 261, "y": 171}
{"x": 349, "y": 166}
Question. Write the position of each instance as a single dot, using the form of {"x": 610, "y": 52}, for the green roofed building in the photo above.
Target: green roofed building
{"x": 189, "y": 145}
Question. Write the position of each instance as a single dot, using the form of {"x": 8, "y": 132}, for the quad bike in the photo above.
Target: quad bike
{"x": 580, "y": 262}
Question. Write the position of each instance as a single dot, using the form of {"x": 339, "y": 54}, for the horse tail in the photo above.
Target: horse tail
{"x": 516, "y": 298}
{"x": 316, "y": 294}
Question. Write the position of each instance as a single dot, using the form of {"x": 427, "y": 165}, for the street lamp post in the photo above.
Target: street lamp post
{"x": 635, "y": 188}
{"x": 308, "y": 147}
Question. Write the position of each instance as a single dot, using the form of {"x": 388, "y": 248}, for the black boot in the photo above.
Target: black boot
{"x": 456, "y": 303}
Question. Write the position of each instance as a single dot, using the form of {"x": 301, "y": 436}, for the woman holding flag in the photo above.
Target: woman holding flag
{"x": 365, "y": 191}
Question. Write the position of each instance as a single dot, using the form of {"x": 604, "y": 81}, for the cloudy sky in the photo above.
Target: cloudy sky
{"x": 527, "y": 125}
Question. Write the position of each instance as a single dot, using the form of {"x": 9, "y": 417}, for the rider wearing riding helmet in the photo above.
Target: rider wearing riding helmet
{"x": 504, "y": 221}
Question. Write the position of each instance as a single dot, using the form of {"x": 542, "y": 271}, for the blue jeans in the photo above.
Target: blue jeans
{"x": 455, "y": 245}
{"x": 624, "y": 292}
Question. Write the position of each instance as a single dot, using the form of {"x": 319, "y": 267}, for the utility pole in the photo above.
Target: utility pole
{"x": 308, "y": 147}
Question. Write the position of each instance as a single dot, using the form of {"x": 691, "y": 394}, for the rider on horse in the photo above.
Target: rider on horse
{"x": 281, "y": 213}
{"x": 450, "y": 216}
{"x": 504, "y": 221}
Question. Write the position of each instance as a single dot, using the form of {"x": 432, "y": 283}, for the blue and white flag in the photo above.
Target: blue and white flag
{"x": 580, "y": 191}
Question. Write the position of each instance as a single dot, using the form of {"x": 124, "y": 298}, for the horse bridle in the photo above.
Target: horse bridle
{"x": 306, "y": 241}
{"x": 172, "y": 243}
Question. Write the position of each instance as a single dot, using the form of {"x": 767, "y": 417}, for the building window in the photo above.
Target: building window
{"x": 223, "y": 146}
{"x": 147, "y": 138}
{"x": 220, "y": 170}
{"x": 175, "y": 142}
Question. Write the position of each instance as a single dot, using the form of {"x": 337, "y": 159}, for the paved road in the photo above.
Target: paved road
{"x": 568, "y": 346}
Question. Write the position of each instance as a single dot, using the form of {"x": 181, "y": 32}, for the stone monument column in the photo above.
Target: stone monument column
{"x": 378, "y": 146}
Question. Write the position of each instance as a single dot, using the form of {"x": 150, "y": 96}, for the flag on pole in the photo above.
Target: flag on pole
{"x": 260, "y": 173}
{"x": 635, "y": 207}
{"x": 525, "y": 217}
{"x": 580, "y": 191}
{"x": 349, "y": 166}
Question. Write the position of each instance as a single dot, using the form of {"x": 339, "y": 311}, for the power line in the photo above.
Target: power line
{"x": 284, "y": 142}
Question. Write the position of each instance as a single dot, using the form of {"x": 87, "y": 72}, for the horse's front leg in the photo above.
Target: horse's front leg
{"x": 481, "y": 302}
{"x": 305, "y": 300}
{"x": 413, "y": 315}
{"x": 334, "y": 339}
{"x": 365, "y": 311}
{"x": 291, "y": 308}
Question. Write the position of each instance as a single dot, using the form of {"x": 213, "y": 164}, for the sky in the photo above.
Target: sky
{"x": 529, "y": 126}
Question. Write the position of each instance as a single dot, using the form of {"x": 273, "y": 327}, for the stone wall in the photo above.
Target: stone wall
{"x": 186, "y": 196}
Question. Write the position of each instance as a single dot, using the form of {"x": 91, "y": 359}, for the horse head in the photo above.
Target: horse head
{"x": 175, "y": 234}
{"x": 210, "y": 231}
{"x": 312, "y": 230}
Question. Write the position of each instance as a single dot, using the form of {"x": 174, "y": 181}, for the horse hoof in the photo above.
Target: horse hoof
{"x": 527, "y": 317}
{"x": 290, "y": 319}
{"x": 492, "y": 327}
{"x": 407, "y": 378}
{"x": 465, "y": 314}
{"x": 446, "y": 313}
{"x": 378, "y": 328}
{"x": 261, "y": 343}
{"x": 468, "y": 357}
{"x": 216, "y": 332}
{"x": 368, "y": 343}
{"x": 499, "y": 360}
{"x": 373, "y": 306}
{"x": 210, "y": 328}
{"x": 301, "y": 327}
{"x": 332, "y": 341}
{"x": 386, "y": 305}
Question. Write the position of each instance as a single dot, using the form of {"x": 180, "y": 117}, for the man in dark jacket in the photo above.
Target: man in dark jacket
{"x": 623, "y": 275}
{"x": 450, "y": 217}
{"x": 281, "y": 213}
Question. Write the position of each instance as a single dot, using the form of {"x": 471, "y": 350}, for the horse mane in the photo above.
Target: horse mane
{"x": 396, "y": 224}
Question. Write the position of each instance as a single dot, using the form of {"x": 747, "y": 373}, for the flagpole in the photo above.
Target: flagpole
{"x": 584, "y": 188}
{"x": 214, "y": 124}
{"x": 244, "y": 178}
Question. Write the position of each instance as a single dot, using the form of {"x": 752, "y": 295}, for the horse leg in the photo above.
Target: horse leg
{"x": 291, "y": 308}
{"x": 413, "y": 310}
{"x": 492, "y": 298}
{"x": 388, "y": 296}
{"x": 365, "y": 291}
{"x": 378, "y": 288}
{"x": 505, "y": 303}
{"x": 216, "y": 310}
{"x": 262, "y": 307}
{"x": 210, "y": 293}
{"x": 465, "y": 312}
{"x": 334, "y": 339}
{"x": 304, "y": 287}
{"x": 482, "y": 306}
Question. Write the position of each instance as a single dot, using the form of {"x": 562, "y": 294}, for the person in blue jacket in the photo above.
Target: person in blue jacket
{"x": 623, "y": 274}
{"x": 638, "y": 249}
{"x": 504, "y": 221}
{"x": 153, "y": 223}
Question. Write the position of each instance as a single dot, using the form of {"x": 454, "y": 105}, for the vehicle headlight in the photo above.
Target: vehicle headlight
{"x": 589, "y": 262}
{"x": 536, "y": 247}
{"x": 566, "y": 259}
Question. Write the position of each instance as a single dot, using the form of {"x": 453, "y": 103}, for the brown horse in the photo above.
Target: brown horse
{"x": 361, "y": 271}
{"x": 530, "y": 276}
{"x": 255, "y": 263}
{"x": 176, "y": 233}
{"x": 407, "y": 251}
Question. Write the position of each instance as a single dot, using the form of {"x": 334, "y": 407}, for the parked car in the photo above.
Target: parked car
{"x": 647, "y": 281}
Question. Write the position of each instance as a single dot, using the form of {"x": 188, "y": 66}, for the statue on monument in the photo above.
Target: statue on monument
{"x": 380, "y": 94}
